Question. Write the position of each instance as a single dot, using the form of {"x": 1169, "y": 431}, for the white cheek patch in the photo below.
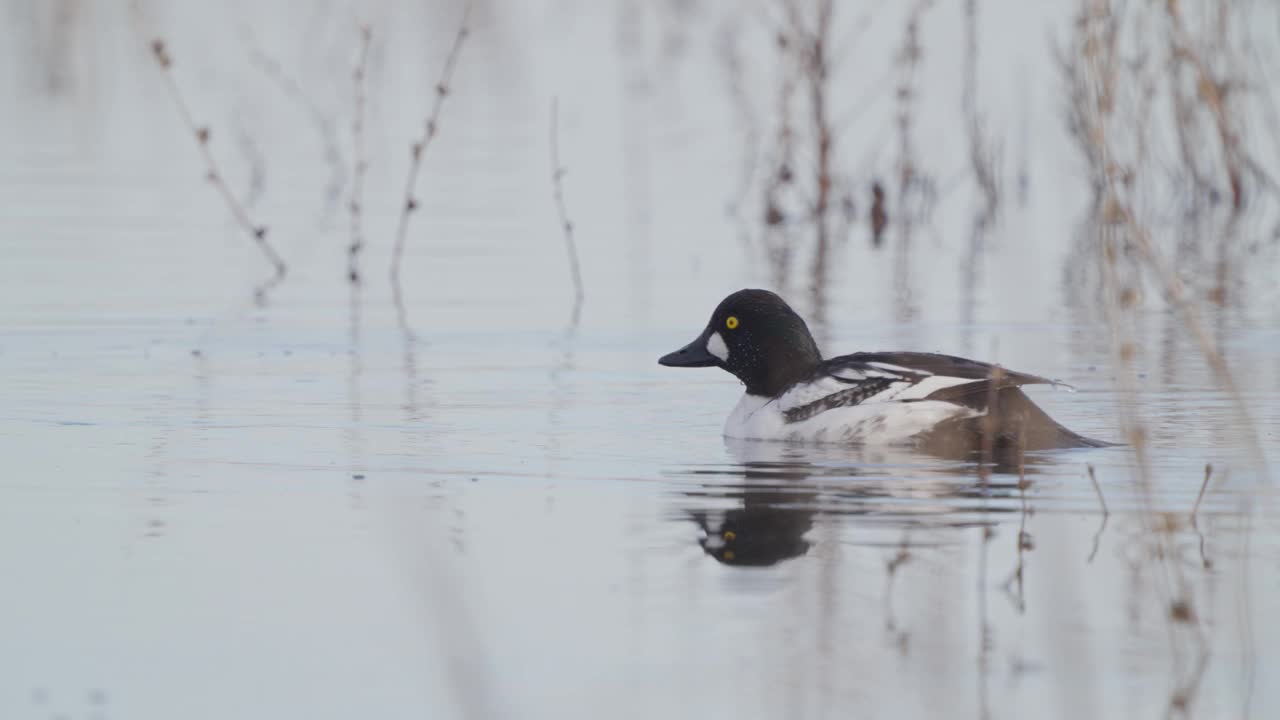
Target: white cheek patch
{"x": 716, "y": 346}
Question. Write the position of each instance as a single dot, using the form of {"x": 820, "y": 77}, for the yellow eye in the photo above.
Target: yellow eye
{"x": 728, "y": 556}
{"x": 731, "y": 322}
{"x": 730, "y": 535}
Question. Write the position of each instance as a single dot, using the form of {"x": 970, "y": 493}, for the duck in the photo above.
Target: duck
{"x": 943, "y": 403}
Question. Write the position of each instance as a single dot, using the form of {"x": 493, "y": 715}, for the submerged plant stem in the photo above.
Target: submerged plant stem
{"x": 557, "y": 189}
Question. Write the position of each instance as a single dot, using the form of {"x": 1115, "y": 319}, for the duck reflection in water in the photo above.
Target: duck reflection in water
{"x": 778, "y": 492}
{"x": 771, "y": 523}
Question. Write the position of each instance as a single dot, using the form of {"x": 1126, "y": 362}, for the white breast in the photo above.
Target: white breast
{"x": 868, "y": 423}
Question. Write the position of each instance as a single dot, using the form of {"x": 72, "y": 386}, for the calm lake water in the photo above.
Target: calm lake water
{"x": 219, "y": 508}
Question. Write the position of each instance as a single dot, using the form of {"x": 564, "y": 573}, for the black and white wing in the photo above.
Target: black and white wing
{"x": 865, "y": 378}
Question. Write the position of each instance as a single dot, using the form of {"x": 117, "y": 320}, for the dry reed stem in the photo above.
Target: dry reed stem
{"x": 360, "y": 159}
{"x": 566, "y": 225}
{"x": 419, "y": 148}
{"x": 258, "y": 233}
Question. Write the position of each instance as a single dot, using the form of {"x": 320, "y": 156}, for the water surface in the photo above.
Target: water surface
{"x": 215, "y": 507}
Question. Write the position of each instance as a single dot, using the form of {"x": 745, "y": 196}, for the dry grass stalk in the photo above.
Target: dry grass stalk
{"x": 361, "y": 161}
{"x": 566, "y": 225}
{"x": 202, "y": 134}
{"x": 419, "y": 148}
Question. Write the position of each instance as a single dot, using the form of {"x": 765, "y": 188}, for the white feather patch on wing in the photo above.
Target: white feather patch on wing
{"x": 932, "y": 384}
{"x": 716, "y": 346}
{"x": 805, "y": 393}
{"x": 898, "y": 369}
{"x": 884, "y": 423}
{"x": 848, "y": 373}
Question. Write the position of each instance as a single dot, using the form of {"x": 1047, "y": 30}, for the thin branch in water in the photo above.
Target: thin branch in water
{"x": 1106, "y": 514}
{"x": 557, "y": 189}
{"x": 1208, "y": 473}
{"x": 1093, "y": 478}
{"x": 361, "y": 162}
{"x": 419, "y": 148}
{"x": 258, "y": 233}
{"x": 1013, "y": 586}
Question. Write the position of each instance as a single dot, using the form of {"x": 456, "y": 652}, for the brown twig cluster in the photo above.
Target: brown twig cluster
{"x": 430, "y": 128}
{"x": 202, "y": 135}
{"x": 1113, "y": 84}
{"x": 802, "y": 189}
{"x": 1112, "y": 101}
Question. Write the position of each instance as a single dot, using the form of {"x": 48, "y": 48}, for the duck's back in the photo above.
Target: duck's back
{"x": 904, "y": 398}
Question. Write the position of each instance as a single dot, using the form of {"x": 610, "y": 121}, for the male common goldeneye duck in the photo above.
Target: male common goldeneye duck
{"x": 943, "y": 403}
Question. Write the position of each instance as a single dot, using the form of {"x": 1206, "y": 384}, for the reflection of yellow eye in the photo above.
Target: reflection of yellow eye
{"x": 728, "y": 555}
{"x": 730, "y": 535}
{"x": 731, "y": 322}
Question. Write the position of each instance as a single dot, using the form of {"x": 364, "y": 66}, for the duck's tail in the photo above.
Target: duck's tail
{"x": 1011, "y": 419}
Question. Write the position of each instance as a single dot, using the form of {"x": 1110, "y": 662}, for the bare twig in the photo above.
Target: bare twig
{"x": 557, "y": 187}
{"x": 419, "y": 148}
{"x": 361, "y": 162}
{"x": 258, "y": 233}
{"x": 1208, "y": 473}
{"x": 1093, "y": 478}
